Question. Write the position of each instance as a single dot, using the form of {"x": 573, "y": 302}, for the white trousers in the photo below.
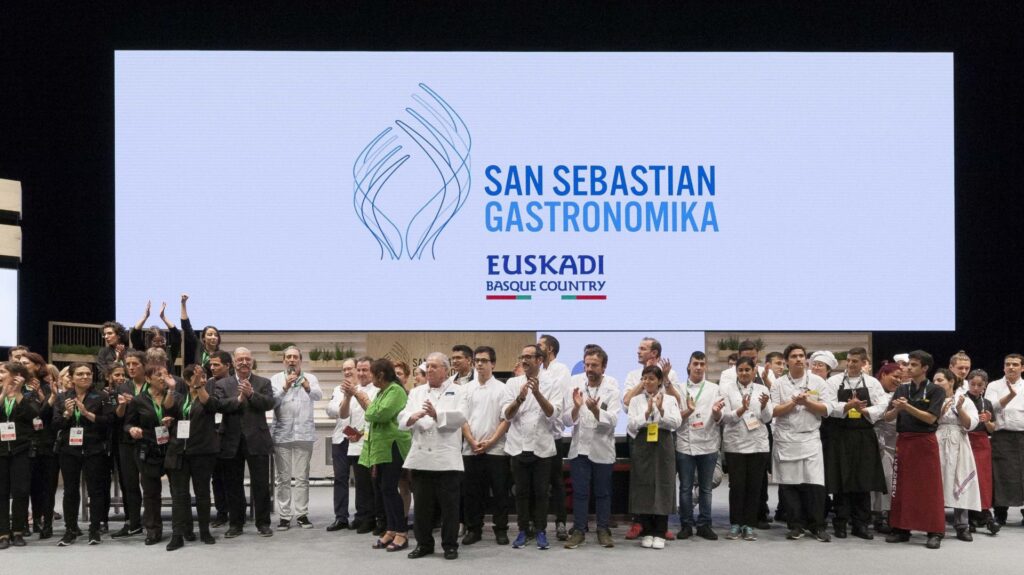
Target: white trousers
{"x": 291, "y": 460}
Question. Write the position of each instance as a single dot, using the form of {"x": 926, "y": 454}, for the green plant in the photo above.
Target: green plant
{"x": 759, "y": 344}
{"x": 280, "y": 346}
{"x": 728, "y": 343}
{"x": 315, "y": 354}
{"x": 840, "y": 355}
{"x": 75, "y": 349}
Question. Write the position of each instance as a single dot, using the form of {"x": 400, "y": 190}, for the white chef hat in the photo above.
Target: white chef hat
{"x": 826, "y": 357}
{"x": 901, "y": 358}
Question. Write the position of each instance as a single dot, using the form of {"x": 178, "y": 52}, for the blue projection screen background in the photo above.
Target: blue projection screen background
{"x": 512, "y": 191}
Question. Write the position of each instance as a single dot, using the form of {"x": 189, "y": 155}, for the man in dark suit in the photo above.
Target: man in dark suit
{"x": 245, "y": 439}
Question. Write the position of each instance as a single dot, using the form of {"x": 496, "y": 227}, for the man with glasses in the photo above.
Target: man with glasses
{"x": 530, "y": 402}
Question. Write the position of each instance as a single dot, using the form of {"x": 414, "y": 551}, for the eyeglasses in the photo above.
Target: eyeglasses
{"x": 523, "y": 357}
{"x": 482, "y": 360}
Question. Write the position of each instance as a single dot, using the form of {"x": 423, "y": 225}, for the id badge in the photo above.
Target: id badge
{"x": 698, "y": 421}
{"x": 853, "y": 414}
{"x": 162, "y": 435}
{"x": 37, "y": 424}
{"x": 652, "y": 432}
{"x": 77, "y": 437}
{"x": 8, "y": 432}
{"x": 183, "y": 428}
{"x": 752, "y": 422}
{"x": 218, "y": 417}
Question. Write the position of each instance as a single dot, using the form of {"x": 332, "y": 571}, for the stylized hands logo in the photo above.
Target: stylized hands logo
{"x": 438, "y": 130}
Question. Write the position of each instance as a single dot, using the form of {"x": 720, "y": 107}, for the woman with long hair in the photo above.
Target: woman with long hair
{"x": 18, "y": 408}
{"x": 960, "y": 487}
{"x": 196, "y": 351}
{"x": 43, "y": 461}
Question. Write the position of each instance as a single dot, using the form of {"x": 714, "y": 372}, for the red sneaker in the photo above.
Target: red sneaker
{"x": 634, "y": 531}
{"x": 669, "y": 536}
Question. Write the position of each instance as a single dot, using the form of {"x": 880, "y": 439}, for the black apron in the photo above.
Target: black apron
{"x": 852, "y": 461}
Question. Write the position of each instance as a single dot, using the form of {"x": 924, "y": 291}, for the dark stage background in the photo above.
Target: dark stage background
{"x": 57, "y": 133}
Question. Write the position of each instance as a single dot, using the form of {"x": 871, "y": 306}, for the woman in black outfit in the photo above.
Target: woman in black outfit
{"x": 81, "y": 418}
{"x": 198, "y": 352}
{"x": 17, "y": 410}
{"x": 191, "y": 456}
{"x": 147, "y": 421}
{"x": 115, "y": 344}
{"x": 45, "y": 468}
{"x": 144, "y": 339}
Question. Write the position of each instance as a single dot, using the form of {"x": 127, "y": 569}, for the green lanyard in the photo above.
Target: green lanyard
{"x": 187, "y": 408}
{"x": 700, "y": 391}
{"x": 78, "y": 417}
{"x": 8, "y": 406}
{"x": 145, "y": 387}
{"x": 204, "y": 358}
{"x": 159, "y": 410}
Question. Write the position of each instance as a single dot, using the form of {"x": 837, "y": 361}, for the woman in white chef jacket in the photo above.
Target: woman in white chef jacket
{"x": 960, "y": 487}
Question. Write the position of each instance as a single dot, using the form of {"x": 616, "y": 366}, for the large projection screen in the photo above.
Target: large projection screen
{"x": 522, "y": 191}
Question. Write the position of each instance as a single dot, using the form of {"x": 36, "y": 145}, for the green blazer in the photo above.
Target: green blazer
{"x": 382, "y": 416}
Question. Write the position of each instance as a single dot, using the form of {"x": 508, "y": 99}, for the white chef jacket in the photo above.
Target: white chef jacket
{"x": 454, "y": 378}
{"x": 728, "y": 375}
{"x": 483, "y": 404}
{"x": 797, "y": 455}
{"x": 699, "y": 433}
{"x": 530, "y": 429}
{"x": 1011, "y": 417}
{"x": 338, "y": 436}
{"x": 436, "y": 444}
{"x": 737, "y": 435}
{"x": 592, "y": 436}
{"x": 561, "y": 374}
{"x": 875, "y": 392}
{"x": 638, "y": 419}
{"x": 357, "y": 418}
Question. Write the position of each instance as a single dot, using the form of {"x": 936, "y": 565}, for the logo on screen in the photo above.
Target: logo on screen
{"x": 411, "y": 182}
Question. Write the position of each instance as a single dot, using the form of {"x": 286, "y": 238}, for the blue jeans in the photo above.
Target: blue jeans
{"x": 705, "y": 468}
{"x": 586, "y": 474}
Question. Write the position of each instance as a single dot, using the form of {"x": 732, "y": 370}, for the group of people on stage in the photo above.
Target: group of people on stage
{"x": 882, "y": 454}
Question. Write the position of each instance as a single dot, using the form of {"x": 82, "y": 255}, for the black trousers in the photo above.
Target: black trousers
{"x": 746, "y": 475}
{"x": 108, "y": 481}
{"x": 533, "y": 480}
{"x": 653, "y": 525}
{"x": 805, "y": 506}
{"x": 72, "y": 468}
{"x": 152, "y": 496}
{"x": 434, "y": 490}
{"x": 340, "y": 463}
{"x": 385, "y": 485}
{"x": 45, "y": 470}
{"x": 485, "y": 474}
{"x": 557, "y": 502}
{"x": 259, "y": 486}
{"x": 853, "y": 507}
{"x": 131, "y": 494}
{"x": 220, "y": 493}
{"x": 366, "y": 501}
{"x": 197, "y": 469}
{"x": 15, "y": 477}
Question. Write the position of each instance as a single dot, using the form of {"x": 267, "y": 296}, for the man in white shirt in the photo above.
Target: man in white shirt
{"x": 593, "y": 413}
{"x": 1008, "y": 439}
{"x": 797, "y": 460}
{"x": 698, "y": 440}
{"x": 435, "y": 414}
{"x": 295, "y": 393}
{"x": 748, "y": 348}
{"x": 889, "y": 375}
{"x": 462, "y": 362}
{"x": 549, "y": 348}
{"x": 483, "y": 451}
{"x": 960, "y": 364}
{"x": 356, "y": 396}
{"x": 339, "y": 448}
{"x": 530, "y": 402}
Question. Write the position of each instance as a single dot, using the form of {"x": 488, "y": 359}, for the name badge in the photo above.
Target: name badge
{"x": 752, "y": 422}
{"x": 162, "y": 435}
{"x": 77, "y": 436}
{"x": 698, "y": 421}
{"x": 853, "y": 414}
{"x": 37, "y": 424}
{"x": 7, "y": 432}
{"x": 218, "y": 417}
{"x": 183, "y": 428}
{"x": 652, "y": 432}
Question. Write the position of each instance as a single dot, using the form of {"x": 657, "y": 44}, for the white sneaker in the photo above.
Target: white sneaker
{"x": 647, "y": 542}
{"x": 659, "y": 543}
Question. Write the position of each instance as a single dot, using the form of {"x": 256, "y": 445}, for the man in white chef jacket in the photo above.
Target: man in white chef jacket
{"x": 434, "y": 414}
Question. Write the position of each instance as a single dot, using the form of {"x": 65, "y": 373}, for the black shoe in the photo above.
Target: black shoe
{"x": 219, "y": 521}
{"x": 18, "y": 540}
{"x": 685, "y": 533}
{"x": 364, "y": 527}
{"x": 501, "y": 537}
{"x": 94, "y": 537}
{"x": 154, "y": 537}
{"x": 303, "y": 522}
{"x": 471, "y": 538}
{"x": 232, "y": 532}
{"x": 46, "y": 532}
{"x": 795, "y": 533}
{"x": 379, "y": 530}
{"x": 883, "y": 528}
{"x": 964, "y": 534}
{"x": 972, "y": 528}
{"x": 37, "y": 524}
{"x": 705, "y": 531}
{"x": 822, "y": 535}
{"x": 68, "y": 538}
{"x": 861, "y": 532}
{"x": 992, "y": 527}
{"x": 284, "y": 525}
{"x": 420, "y": 552}
{"x": 338, "y": 525}
{"x": 176, "y": 542}
{"x": 560, "y": 531}
{"x": 840, "y": 531}
{"x": 190, "y": 536}
{"x": 74, "y": 529}
{"x": 4, "y": 543}
{"x": 206, "y": 537}
{"x": 451, "y": 554}
{"x": 763, "y": 524}
{"x": 265, "y": 531}
{"x": 897, "y": 537}
{"x": 121, "y": 533}
{"x": 933, "y": 541}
